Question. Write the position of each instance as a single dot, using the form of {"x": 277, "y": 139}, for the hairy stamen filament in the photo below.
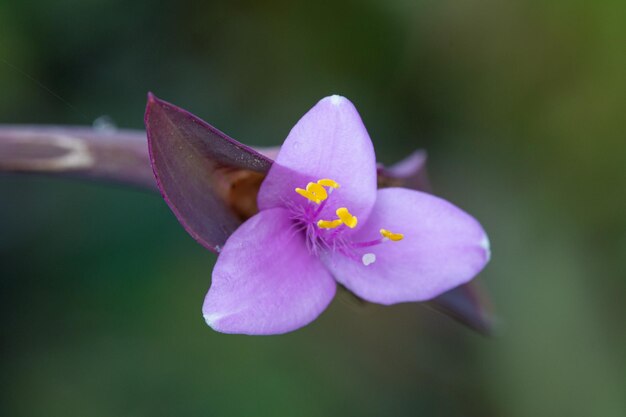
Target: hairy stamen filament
{"x": 321, "y": 206}
{"x": 369, "y": 243}
{"x": 386, "y": 237}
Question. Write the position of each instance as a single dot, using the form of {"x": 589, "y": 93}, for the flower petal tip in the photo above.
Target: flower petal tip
{"x": 336, "y": 100}
{"x": 486, "y": 245}
{"x": 212, "y": 318}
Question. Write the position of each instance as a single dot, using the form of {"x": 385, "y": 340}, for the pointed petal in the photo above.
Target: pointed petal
{"x": 443, "y": 247}
{"x": 265, "y": 280}
{"x": 468, "y": 303}
{"x": 193, "y": 162}
{"x": 330, "y": 141}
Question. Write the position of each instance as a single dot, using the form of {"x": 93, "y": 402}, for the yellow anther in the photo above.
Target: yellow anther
{"x": 308, "y": 195}
{"x": 329, "y": 224}
{"x": 328, "y": 183}
{"x": 317, "y": 190}
{"x": 347, "y": 218}
{"x": 391, "y": 236}
{"x": 314, "y": 192}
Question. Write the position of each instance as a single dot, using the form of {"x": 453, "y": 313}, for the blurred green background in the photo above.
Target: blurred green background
{"x": 521, "y": 106}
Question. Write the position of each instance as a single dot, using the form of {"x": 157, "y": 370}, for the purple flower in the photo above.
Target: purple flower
{"x": 322, "y": 220}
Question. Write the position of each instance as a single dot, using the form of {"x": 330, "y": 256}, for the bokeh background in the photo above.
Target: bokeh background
{"x": 521, "y": 107}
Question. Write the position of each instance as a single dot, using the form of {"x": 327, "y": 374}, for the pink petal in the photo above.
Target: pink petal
{"x": 330, "y": 141}
{"x": 265, "y": 280}
{"x": 443, "y": 247}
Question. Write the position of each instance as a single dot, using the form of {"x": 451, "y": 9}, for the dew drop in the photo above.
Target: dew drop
{"x": 368, "y": 258}
{"x": 104, "y": 124}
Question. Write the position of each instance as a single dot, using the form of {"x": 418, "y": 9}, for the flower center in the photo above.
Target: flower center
{"x": 319, "y": 231}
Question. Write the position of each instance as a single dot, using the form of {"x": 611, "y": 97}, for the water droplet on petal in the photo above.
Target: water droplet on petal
{"x": 368, "y": 258}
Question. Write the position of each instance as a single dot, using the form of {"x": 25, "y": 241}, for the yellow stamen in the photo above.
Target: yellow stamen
{"x": 307, "y": 195}
{"x": 317, "y": 190}
{"x": 314, "y": 192}
{"x": 391, "y": 236}
{"x": 347, "y": 218}
{"x": 328, "y": 183}
{"x": 329, "y": 224}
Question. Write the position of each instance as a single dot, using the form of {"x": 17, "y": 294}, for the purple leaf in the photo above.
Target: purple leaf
{"x": 207, "y": 178}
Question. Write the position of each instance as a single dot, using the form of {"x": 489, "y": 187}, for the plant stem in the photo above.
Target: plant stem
{"x": 81, "y": 152}
{"x": 119, "y": 155}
